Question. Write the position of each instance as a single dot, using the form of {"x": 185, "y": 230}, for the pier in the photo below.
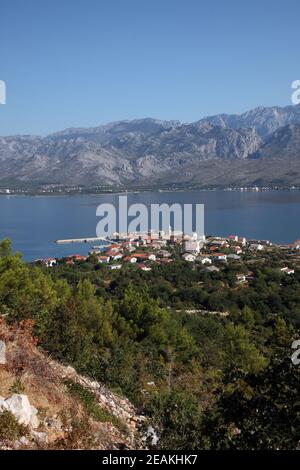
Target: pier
{"x": 82, "y": 240}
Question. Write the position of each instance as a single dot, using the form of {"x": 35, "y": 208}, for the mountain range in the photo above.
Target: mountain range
{"x": 260, "y": 147}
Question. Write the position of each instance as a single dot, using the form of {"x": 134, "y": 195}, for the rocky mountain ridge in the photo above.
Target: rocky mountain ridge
{"x": 145, "y": 152}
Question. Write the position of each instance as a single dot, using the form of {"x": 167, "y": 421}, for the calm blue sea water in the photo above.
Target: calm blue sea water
{"x": 34, "y": 223}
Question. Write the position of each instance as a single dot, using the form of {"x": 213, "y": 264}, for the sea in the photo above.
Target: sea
{"x": 34, "y": 223}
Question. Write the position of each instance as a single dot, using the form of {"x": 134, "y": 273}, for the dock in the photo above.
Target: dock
{"x": 82, "y": 240}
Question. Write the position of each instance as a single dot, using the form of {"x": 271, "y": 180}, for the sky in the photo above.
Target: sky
{"x": 74, "y": 63}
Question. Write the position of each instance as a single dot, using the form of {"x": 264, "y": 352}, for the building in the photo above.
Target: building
{"x": 145, "y": 256}
{"x": 233, "y": 257}
{"x": 219, "y": 257}
{"x": 114, "y": 266}
{"x": 49, "y": 262}
{"x": 79, "y": 258}
{"x": 114, "y": 255}
{"x": 219, "y": 242}
{"x": 204, "y": 260}
{"x": 70, "y": 259}
{"x": 164, "y": 254}
{"x": 288, "y": 271}
{"x": 265, "y": 242}
{"x": 256, "y": 247}
{"x": 297, "y": 245}
{"x": 241, "y": 277}
{"x": 103, "y": 259}
{"x": 237, "y": 250}
{"x": 126, "y": 245}
{"x": 144, "y": 268}
{"x": 242, "y": 240}
{"x": 189, "y": 257}
{"x": 212, "y": 269}
{"x": 192, "y": 246}
{"x": 233, "y": 238}
{"x": 157, "y": 244}
{"x": 130, "y": 259}
{"x": 114, "y": 247}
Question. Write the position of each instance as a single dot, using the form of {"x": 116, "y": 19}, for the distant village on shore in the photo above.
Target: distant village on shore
{"x": 210, "y": 252}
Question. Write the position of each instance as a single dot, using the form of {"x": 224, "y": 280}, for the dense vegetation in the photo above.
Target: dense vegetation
{"x": 205, "y": 381}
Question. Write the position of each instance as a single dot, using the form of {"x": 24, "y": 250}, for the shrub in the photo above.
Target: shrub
{"x": 93, "y": 409}
{"x": 9, "y": 427}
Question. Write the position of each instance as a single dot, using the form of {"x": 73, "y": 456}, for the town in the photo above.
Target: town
{"x": 210, "y": 253}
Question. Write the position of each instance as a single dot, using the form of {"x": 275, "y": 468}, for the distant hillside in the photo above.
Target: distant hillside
{"x": 217, "y": 150}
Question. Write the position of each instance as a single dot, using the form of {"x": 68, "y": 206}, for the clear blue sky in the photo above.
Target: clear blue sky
{"x": 83, "y": 63}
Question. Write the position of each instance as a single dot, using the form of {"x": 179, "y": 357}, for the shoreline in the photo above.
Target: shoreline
{"x": 140, "y": 191}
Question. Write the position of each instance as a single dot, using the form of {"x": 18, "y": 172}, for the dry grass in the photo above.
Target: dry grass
{"x": 84, "y": 424}
{"x": 28, "y": 371}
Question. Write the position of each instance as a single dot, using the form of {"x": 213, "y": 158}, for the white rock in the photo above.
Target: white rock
{"x": 39, "y": 437}
{"x": 2, "y": 353}
{"x": 34, "y": 421}
{"x": 152, "y": 435}
{"x": 24, "y": 441}
{"x": 94, "y": 384}
{"x": 20, "y": 407}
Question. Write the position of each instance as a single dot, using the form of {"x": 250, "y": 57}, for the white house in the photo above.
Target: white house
{"x": 144, "y": 268}
{"x": 189, "y": 257}
{"x": 192, "y": 246}
{"x": 242, "y": 240}
{"x": 204, "y": 260}
{"x": 117, "y": 256}
{"x": 256, "y": 247}
{"x": 114, "y": 266}
{"x": 288, "y": 271}
{"x": 130, "y": 259}
{"x": 241, "y": 277}
{"x": 297, "y": 245}
{"x": 219, "y": 257}
{"x": 233, "y": 238}
{"x": 145, "y": 256}
{"x": 233, "y": 256}
{"x": 49, "y": 262}
{"x": 237, "y": 250}
{"x": 104, "y": 259}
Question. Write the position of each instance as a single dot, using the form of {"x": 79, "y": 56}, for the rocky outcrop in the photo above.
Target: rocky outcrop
{"x": 283, "y": 144}
{"x": 19, "y": 406}
{"x": 119, "y": 406}
{"x": 2, "y": 353}
{"x": 36, "y": 390}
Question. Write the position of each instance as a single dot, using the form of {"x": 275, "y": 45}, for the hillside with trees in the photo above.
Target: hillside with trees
{"x": 203, "y": 381}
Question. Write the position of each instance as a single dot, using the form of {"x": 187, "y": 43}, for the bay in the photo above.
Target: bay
{"x": 34, "y": 223}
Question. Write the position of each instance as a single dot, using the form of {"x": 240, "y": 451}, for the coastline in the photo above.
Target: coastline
{"x": 44, "y": 193}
